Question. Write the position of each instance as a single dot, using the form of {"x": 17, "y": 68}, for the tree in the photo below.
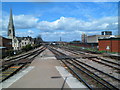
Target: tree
{"x": 39, "y": 39}
{"x": 27, "y": 47}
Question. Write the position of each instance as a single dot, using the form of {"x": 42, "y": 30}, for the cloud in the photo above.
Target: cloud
{"x": 68, "y": 27}
{"x": 73, "y": 24}
{"x": 20, "y": 21}
{"x": 30, "y": 32}
{"x": 65, "y": 36}
{"x": 25, "y": 21}
{"x": 3, "y": 33}
{"x": 66, "y": 24}
{"x": 60, "y": 24}
{"x": 21, "y": 34}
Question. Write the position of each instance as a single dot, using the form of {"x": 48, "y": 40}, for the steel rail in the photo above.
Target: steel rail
{"x": 22, "y": 55}
{"x": 111, "y": 56}
{"x": 97, "y": 70}
{"x": 79, "y": 78}
{"x": 109, "y": 61}
{"x": 105, "y": 64}
{"x": 23, "y": 64}
{"x": 10, "y": 63}
{"x": 13, "y": 73}
{"x": 94, "y": 75}
{"x": 99, "y": 61}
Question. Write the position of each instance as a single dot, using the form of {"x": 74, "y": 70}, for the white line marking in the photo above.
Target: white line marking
{"x": 14, "y": 78}
{"x": 71, "y": 81}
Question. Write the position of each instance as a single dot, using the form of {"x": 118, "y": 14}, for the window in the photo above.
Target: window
{"x": 9, "y": 31}
{"x": 15, "y": 40}
{"x": 10, "y": 43}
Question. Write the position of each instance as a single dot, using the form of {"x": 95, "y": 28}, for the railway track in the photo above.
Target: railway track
{"x": 11, "y": 67}
{"x": 90, "y": 76}
{"x": 7, "y": 63}
{"x": 116, "y": 57}
{"x": 97, "y": 59}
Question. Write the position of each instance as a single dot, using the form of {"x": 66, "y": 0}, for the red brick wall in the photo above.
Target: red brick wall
{"x": 113, "y": 44}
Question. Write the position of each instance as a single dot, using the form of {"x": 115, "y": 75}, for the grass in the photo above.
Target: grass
{"x": 89, "y": 49}
{"x": 92, "y": 49}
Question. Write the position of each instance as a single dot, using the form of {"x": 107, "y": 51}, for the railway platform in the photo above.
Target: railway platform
{"x": 45, "y": 71}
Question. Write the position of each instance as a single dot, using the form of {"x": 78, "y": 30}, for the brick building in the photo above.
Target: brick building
{"x": 5, "y": 44}
{"x": 109, "y": 44}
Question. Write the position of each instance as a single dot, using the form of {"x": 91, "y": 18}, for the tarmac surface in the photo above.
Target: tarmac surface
{"x": 43, "y": 74}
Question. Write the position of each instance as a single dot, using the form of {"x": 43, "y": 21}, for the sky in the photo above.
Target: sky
{"x": 60, "y": 0}
{"x": 67, "y": 20}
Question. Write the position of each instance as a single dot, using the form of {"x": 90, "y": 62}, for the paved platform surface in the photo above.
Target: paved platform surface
{"x": 44, "y": 72}
{"x": 43, "y": 75}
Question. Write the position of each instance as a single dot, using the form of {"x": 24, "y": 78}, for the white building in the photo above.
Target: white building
{"x": 84, "y": 38}
{"x": 94, "y": 38}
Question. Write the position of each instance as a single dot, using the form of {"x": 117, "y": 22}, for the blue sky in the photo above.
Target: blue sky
{"x": 68, "y": 20}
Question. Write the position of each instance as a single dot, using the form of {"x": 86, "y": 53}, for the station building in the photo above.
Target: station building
{"x": 93, "y": 40}
{"x": 109, "y": 44}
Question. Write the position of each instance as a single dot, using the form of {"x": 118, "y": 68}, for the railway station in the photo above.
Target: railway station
{"x": 44, "y": 72}
{"x": 60, "y": 67}
{"x": 42, "y": 61}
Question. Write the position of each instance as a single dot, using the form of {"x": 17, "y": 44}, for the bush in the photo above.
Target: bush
{"x": 10, "y": 52}
{"x": 27, "y": 47}
{"x": 35, "y": 45}
{"x": 102, "y": 51}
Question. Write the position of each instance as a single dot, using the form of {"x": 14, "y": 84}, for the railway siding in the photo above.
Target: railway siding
{"x": 108, "y": 81}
